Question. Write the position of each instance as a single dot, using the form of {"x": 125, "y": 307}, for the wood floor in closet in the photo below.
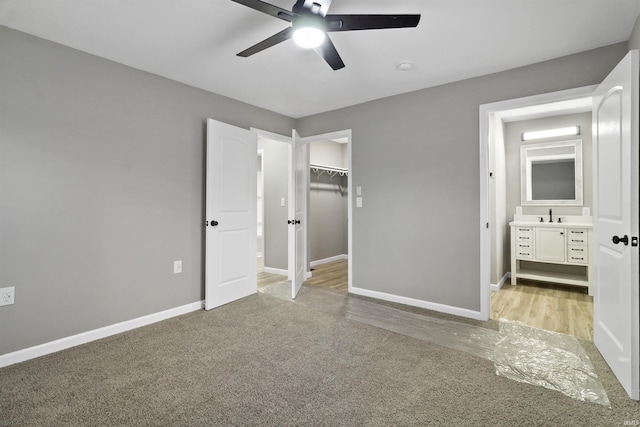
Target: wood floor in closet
{"x": 565, "y": 309}
{"x": 331, "y": 275}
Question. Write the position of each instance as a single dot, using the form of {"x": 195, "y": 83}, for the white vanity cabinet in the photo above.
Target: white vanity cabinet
{"x": 551, "y": 244}
{"x": 539, "y": 251}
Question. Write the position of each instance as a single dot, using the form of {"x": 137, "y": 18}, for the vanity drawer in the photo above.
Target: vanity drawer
{"x": 524, "y": 250}
{"x": 577, "y": 237}
{"x": 524, "y": 234}
{"x": 577, "y": 254}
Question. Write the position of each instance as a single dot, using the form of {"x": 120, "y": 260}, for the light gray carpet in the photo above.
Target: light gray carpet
{"x": 265, "y": 361}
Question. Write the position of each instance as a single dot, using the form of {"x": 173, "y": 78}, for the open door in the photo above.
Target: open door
{"x": 298, "y": 185}
{"x": 231, "y": 226}
{"x": 615, "y": 191}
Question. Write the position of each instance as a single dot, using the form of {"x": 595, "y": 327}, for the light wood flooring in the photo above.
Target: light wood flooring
{"x": 565, "y": 309}
{"x": 266, "y": 279}
{"x": 553, "y": 307}
{"x": 332, "y": 275}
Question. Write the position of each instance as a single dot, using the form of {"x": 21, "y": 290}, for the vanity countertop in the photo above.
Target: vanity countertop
{"x": 563, "y": 224}
{"x": 568, "y": 221}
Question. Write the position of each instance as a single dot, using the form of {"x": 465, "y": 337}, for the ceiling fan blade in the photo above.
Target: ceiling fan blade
{"x": 267, "y": 8}
{"x": 267, "y": 43}
{"x": 370, "y": 22}
{"x": 330, "y": 54}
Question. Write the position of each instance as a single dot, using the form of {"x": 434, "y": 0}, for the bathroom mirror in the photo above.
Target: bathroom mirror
{"x": 551, "y": 173}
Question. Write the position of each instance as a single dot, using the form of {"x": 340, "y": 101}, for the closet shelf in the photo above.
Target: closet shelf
{"x": 329, "y": 170}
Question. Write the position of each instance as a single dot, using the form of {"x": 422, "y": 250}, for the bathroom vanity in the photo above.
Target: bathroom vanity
{"x": 556, "y": 251}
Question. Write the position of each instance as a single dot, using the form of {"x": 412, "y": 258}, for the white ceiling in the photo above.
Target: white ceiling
{"x": 196, "y": 41}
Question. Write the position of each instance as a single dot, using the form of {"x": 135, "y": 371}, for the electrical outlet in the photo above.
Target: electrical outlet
{"x": 177, "y": 267}
{"x": 7, "y": 295}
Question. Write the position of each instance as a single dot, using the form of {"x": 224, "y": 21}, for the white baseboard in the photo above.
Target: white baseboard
{"x": 498, "y": 286}
{"x": 462, "y": 312}
{"x": 275, "y": 271}
{"x": 330, "y": 259}
{"x": 96, "y": 334}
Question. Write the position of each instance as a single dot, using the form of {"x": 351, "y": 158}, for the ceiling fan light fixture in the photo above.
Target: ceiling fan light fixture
{"x": 308, "y": 32}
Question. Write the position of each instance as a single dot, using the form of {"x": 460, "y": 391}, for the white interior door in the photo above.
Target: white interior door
{"x": 298, "y": 185}
{"x": 231, "y": 226}
{"x": 615, "y": 169}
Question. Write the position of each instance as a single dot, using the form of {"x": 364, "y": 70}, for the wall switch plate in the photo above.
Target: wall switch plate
{"x": 7, "y": 295}
{"x": 358, "y": 191}
{"x": 282, "y": 202}
{"x": 358, "y": 202}
{"x": 177, "y": 267}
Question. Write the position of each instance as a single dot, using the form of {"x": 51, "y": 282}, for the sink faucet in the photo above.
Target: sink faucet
{"x": 550, "y": 215}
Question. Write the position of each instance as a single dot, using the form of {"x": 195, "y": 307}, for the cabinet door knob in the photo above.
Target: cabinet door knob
{"x": 624, "y": 240}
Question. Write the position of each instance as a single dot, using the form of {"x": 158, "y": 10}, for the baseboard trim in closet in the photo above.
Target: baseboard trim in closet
{"x": 330, "y": 259}
{"x": 275, "y": 271}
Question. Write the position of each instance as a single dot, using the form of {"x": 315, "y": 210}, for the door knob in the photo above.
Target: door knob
{"x": 214, "y": 223}
{"x": 624, "y": 240}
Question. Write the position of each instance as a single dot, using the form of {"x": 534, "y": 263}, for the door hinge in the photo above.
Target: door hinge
{"x": 487, "y": 225}
{"x": 634, "y": 241}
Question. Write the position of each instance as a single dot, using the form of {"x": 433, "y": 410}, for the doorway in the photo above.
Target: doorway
{"x": 329, "y": 259}
{"x": 552, "y": 306}
{"x": 327, "y": 216}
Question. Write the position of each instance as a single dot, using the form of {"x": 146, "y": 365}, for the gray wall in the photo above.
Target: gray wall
{"x": 276, "y": 165}
{"x": 101, "y": 189}
{"x": 416, "y": 157}
{"x": 634, "y": 39}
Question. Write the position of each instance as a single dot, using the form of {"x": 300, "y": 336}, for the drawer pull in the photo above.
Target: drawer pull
{"x": 577, "y": 258}
{"x": 524, "y": 253}
{"x": 577, "y": 232}
{"x": 577, "y": 240}
{"x": 577, "y": 250}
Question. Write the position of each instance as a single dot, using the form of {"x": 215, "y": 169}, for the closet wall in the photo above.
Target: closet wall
{"x": 328, "y": 233}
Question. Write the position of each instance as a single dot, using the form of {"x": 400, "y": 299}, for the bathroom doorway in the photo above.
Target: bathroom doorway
{"x": 544, "y": 304}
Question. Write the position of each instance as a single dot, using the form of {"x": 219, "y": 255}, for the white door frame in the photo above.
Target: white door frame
{"x": 337, "y": 135}
{"x": 261, "y": 248}
{"x": 488, "y": 112}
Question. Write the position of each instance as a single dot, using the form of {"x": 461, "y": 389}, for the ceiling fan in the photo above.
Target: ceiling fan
{"x": 310, "y": 24}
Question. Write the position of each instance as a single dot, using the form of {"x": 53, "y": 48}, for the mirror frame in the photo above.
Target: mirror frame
{"x": 525, "y": 173}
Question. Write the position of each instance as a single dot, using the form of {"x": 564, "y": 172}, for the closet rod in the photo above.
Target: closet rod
{"x": 331, "y": 171}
